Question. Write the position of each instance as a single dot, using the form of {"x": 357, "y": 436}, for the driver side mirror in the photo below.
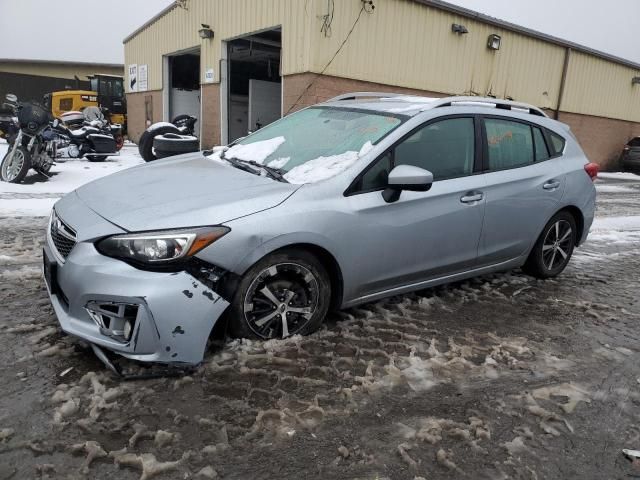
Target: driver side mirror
{"x": 406, "y": 177}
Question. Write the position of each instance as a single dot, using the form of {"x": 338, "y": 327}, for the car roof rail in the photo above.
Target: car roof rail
{"x": 446, "y": 101}
{"x": 491, "y": 102}
{"x": 356, "y": 95}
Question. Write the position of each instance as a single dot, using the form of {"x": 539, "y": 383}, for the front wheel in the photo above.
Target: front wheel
{"x": 553, "y": 249}
{"x": 286, "y": 293}
{"x": 15, "y": 165}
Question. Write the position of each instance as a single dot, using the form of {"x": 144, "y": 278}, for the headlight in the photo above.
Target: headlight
{"x": 160, "y": 247}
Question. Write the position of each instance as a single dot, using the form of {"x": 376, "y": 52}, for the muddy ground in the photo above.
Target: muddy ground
{"x": 500, "y": 377}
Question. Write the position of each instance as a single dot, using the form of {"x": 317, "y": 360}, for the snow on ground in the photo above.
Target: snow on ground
{"x": 36, "y": 195}
{"x": 619, "y": 176}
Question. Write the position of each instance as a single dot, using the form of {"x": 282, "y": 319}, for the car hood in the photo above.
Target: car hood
{"x": 187, "y": 191}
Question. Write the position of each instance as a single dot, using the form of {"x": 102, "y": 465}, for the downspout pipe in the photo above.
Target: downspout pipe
{"x": 563, "y": 81}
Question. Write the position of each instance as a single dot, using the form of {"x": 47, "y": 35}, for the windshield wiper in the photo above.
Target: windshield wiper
{"x": 275, "y": 173}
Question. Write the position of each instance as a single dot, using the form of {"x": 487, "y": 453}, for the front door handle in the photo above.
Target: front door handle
{"x": 551, "y": 185}
{"x": 471, "y": 197}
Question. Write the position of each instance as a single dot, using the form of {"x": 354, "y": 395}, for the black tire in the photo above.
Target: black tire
{"x": 9, "y": 174}
{"x": 162, "y": 154}
{"x": 145, "y": 144}
{"x": 176, "y": 144}
{"x": 96, "y": 158}
{"x": 297, "y": 280}
{"x": 553, "y": 249}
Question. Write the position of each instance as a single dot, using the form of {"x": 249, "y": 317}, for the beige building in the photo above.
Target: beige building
{"x": 240, "y": 64}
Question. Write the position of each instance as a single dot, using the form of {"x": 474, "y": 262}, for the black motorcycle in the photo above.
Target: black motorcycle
{"x": 164, "y": 139}
{"x": 96, "y": 139}
{"x": 34, "y": 145}
{"x": 8, "y": 120}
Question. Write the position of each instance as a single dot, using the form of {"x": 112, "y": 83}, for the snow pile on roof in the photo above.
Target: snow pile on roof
{"x": 410, "y": 99}
{"x": 256, "y": 151}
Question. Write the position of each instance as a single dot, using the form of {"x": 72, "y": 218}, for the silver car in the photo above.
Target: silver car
{"x": 345, "y": 202}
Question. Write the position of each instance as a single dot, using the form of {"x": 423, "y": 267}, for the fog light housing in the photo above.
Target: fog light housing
{"x": 116, "y": 320}
{"x": 128, "y": 329}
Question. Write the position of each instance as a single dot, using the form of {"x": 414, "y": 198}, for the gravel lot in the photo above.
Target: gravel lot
{"x": 500, "y": 377}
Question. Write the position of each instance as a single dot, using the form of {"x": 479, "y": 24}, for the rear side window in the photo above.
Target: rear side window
{"x": 557, "y": 143}
{"x": 445, "y": 148}
{"x": 510, "y": 144}
{"x": 542, "y": 152}
{"x": 635, "y": 142}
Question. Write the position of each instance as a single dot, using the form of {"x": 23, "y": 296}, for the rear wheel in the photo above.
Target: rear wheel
{"x": 553, "y": 249}
{"x": 15, "y": 165}
{"x": 284, "y": 294}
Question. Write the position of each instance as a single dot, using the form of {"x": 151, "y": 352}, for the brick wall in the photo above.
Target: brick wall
{"x": 601, "y": 138}
{"x": 325, "y": 87}
{"x": 139, "y": 106}
{"x": 210, "y": 128}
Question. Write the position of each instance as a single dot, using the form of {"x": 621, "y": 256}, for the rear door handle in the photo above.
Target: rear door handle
{"x": 551, "y": 185}
{"x": 471, "y": 197}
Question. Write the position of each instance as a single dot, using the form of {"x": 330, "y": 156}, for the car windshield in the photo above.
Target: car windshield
{"x": 316, "y": 143}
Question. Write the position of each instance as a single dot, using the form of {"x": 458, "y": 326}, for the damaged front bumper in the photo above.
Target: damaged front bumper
{"x": 164, "y": 317}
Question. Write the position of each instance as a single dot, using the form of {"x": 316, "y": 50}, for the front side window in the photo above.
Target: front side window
{"x": 510, "y": 144}
{"x": 316, "y": 143}
{"x": 445, "y": 148}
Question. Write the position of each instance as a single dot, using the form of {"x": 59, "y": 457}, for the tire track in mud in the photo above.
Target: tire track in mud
{"x": 492, "y": 377}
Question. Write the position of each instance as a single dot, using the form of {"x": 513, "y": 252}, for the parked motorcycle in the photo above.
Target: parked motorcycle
{"x": 8, "y": 120}
{"x": 96, "y": 139}
{"x": 33, "y": 146}
{"x": 164, "y": 139}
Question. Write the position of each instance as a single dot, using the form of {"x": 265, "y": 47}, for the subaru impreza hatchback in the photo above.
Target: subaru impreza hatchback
{"x": 345, "y": 202}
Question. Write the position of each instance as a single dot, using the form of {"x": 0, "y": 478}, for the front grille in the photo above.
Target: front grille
{"x": 62, "y": 235}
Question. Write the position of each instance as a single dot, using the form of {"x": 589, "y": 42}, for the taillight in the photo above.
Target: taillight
{"x": 592, "y": 170}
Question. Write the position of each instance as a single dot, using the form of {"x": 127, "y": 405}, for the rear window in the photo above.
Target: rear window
{"x": 635, "y": 142}
{"x": 557, "y": 143}
{"x": 542, "y": 152}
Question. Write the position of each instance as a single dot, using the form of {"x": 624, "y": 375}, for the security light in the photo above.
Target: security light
{"x": 205, "y": 31}
{"x": 460, "y": 29}
{"x": 635, "y": 81}
{"x": 493, "y": 42}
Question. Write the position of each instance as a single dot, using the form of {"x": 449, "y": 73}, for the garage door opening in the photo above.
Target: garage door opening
{"x": 254, "y": 92}
{"x": 184, "y": 85}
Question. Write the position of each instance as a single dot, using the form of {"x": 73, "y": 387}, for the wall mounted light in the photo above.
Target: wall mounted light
{"x": 460, "y": 29}
{"x": 205, "y": 31}
{"x": 635, "y": 81}
{"x": 493, "y": 42}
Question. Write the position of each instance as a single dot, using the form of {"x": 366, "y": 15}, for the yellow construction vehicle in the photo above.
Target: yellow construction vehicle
{"x": 107, "y": 92}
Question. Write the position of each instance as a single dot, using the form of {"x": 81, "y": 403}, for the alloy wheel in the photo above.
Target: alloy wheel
{"x": 11, "y": 168}
{"x": 281, "y": 300}
{"x": 556, "y": 246}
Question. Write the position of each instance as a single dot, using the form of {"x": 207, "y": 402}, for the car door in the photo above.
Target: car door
{"x": 524, "y": 185}
{"x": 422, "y": 235}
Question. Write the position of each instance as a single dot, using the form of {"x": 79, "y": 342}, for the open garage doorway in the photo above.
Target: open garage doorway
{"x": 184, "y": 85}
{"x": 254, "y": 86}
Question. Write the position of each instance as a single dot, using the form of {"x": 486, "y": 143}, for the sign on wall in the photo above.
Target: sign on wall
{"x": 208, "y": 75}
{"x": 133, "y": 78}
{"x": 142, "y": 78}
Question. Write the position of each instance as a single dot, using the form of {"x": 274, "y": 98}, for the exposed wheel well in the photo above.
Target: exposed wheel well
{"x": 330, "y": 263}
{"x": 577, "y": 215}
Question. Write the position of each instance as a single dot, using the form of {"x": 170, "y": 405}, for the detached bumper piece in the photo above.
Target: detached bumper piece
{"x": 151, "y": 370}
